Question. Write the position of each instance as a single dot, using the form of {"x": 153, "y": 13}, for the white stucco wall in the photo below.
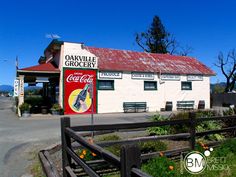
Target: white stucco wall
{"x": 130, "y": 90}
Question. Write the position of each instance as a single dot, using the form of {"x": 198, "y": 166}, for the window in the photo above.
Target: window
{"x": 106, "y": 85}
{"x": 186, "y": 85}
{"x": 150, "y": 85}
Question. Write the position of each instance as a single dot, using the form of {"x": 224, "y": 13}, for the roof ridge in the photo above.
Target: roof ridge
{"x": 127, "y": 50}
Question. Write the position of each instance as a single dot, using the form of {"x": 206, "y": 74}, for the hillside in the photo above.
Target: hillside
{"x": 6, "y": 88}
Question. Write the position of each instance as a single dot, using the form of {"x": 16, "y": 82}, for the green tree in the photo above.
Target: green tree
{"x": 157, "y": 40}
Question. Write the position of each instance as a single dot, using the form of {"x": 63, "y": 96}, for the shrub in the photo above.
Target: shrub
{"x": 206, "y": 113}
{"x": 178, "y": 128}
{"x": 163, "y": 130}
{"x": 229, "y": 112}
{"x": 161, "y": 166}
{"x": 24, "y": 107}
{"x": 204, "y": 126}
{"x": 152, "y": 146}
{"x": 112, "y": 137}
{"x": 56, "y": 107}
{"x": 114, "y": 149}
{"x": 210, "y": 125}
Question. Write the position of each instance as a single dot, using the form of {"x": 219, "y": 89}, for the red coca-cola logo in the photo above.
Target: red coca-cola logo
{"x": 86, "y": 78}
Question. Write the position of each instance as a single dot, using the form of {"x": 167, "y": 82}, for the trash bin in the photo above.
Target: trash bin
{"x": 201, "y": 104}
{"x": 169, "y": 106}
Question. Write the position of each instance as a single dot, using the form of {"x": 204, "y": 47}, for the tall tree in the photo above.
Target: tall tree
{"x": 157, "y": 40}
{"x": 228, "y": 68}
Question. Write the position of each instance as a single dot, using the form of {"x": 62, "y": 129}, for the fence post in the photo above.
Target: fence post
{"x": 192, "y": 119}
{"x": 130, "y": 158}
{"x": 65, "y": 142}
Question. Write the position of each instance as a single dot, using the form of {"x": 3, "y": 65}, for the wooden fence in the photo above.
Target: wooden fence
{"x": 129, "y": 162}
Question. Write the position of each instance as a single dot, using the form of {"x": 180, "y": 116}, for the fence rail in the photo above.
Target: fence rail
{"x": 129, "y": 162}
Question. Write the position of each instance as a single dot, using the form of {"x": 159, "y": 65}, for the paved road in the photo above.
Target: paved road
{"x": 21, "y": 138}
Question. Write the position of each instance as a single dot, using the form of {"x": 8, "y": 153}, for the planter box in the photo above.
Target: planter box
{"x": 55, "y": 112}
{"x": 26, "y": 114}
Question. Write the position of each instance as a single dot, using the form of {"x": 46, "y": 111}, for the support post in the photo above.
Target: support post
{"x": 192, "y": 119}
{"x": 65, "y": 142}
{"x": 130, "y": 158}
{"x": 21, "y": 93}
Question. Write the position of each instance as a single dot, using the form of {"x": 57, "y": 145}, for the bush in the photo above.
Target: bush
{"x": 206, "y": 113}
{"x": 152, "y": 146}
{"x": 210, "y": 125}
{"x": 229, "y": 112}
{"x": 163, "y": 130}
{"x": 204, "y": 126}
{"x": 114, "y": 149}
{"x": 161, "y": 166}
{"x": 112, "y": 137}
{"x": 56, "y": 107}
{"x": 24, "y": 107}
{"x": 35, "y": 102}
{"x": 178, "y": 128}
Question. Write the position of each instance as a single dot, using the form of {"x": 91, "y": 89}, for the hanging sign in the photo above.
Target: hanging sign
{"x": 170, "y": 77}
{"x": 142, "y": 75}
{"x": 78, "y": 92}
{"x": 16, "y": 87}
{"x": 21, "y": 87}
{"x": 195, "y": 77}
{"x": 110, "y": 75}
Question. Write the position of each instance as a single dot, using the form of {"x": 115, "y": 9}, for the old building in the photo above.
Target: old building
{"x": 73, "y": 74}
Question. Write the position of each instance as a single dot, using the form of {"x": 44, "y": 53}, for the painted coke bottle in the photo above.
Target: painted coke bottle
{"x": 81, "y": 97}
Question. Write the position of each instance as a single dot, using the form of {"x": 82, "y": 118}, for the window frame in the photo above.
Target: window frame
{"x": 186, "y": 82}
{"x": 112, "y": 85}
{"x": 150, "y": 89}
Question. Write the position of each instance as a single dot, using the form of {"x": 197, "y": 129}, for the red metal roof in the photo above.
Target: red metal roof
{"x": 124, "y": 60}
{"x": 46, "y": 67}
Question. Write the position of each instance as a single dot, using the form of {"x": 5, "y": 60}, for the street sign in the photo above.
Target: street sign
{"x": 16, "y": 87}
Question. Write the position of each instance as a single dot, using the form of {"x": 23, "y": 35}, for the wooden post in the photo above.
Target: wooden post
{"x": 192, "y": 119}
{"x": 130, "y": 158}
{"x": 65, "y": 142}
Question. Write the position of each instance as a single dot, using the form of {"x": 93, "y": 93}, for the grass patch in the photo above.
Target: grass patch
{"x": 36, "y": 168}
{"x": 221, "y": 163}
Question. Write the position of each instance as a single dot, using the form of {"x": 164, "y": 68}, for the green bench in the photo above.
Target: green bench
{"x": 185, "y": 104}
{"x": 135, "y": 106}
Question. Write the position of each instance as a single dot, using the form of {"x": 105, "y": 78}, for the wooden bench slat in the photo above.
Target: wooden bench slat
{"x": 134, "y": 106}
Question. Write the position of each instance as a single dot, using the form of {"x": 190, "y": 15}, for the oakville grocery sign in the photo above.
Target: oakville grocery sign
{"x": 80, "y": 61}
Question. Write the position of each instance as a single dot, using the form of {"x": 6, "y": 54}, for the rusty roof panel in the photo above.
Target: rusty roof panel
{"x": 125, "y": 60}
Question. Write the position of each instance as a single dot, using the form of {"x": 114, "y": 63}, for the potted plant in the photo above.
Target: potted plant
{"x": 56, "y": 109}
{"x": 25, "y": 109}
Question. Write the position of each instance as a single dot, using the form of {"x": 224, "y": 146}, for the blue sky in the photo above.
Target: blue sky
{"x": 207, "y": 26}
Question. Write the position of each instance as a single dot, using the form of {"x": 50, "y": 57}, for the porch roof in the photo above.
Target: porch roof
{"x": 41, "y": 68}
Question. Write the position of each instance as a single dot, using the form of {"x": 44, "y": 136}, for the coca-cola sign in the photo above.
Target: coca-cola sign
{"x": 78, "y": 91}
{"x": 86, "y": 78}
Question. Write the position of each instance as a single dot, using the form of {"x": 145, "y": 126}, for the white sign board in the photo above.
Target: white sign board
{"x": 170, "y": 77}
{"x": 21, "y": 87}
{"x": 110, "y": 75}
{"x": 16, "y": 87}
{"x": 142, "y": 75}
{"x": 195, "y": 77}
{"x": 76, "y": 56}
